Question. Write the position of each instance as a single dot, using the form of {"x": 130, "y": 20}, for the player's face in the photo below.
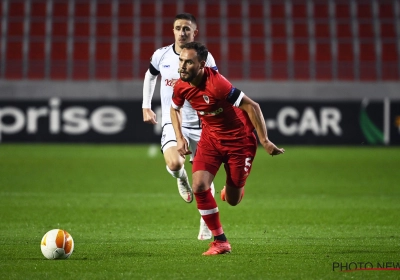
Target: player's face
{"x": 184, "y": 31}
{"x": 189, "y": 65}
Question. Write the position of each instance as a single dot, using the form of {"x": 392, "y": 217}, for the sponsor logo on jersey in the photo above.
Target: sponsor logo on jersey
{"x": 206, "y": 99}
{"x": 170, "y": 82}
{"x": 212, "y": 113}
{"x": 166, "y": 66}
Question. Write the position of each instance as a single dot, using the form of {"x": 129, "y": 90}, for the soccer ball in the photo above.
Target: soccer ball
{"x": 57, "y": 244}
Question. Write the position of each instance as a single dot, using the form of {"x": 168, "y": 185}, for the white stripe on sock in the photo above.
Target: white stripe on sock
{"x": 208, "y": 212}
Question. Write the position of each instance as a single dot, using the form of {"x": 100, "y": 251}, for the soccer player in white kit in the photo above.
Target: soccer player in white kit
{"x": 165, "y": 61}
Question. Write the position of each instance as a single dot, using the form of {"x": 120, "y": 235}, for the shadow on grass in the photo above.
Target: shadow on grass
{"x": 43, "y": 259}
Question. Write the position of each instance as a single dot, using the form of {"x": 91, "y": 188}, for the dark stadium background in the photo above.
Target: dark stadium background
{"x": 95, "y": 53}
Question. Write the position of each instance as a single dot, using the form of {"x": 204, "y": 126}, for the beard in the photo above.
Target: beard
{"x": 188, "y": 76}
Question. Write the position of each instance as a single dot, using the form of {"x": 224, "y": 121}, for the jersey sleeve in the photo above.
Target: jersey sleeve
{"x": 154, "y": 67}
{"x": 210, "y": 62}
{"x": 222, "y": 86}
{"x": 235, "y": 96}
{"x": 177, "y": 97}
{"x": 228, "y": 92}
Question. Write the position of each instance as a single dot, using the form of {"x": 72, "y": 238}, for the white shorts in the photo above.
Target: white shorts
{"x": 168, "y": 138}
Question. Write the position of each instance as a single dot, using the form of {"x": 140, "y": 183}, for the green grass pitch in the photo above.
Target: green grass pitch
{"x": 304, "y": 213}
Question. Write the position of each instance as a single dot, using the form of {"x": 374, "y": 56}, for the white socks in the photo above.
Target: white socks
{"x": 177, "y": 174}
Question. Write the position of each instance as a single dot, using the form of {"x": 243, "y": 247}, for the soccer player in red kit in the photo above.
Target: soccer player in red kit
{"x": 228, "y": 118}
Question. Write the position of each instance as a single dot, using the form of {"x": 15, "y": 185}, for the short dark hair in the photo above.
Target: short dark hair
{"x": 186, "y": 16}
{"x": 201, "y": 50}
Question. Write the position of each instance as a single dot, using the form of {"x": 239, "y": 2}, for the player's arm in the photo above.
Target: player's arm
{"x": 176, "y": 119}
{"x": 255, "y": 114}
{"x": 149, "y": 84}
{"x": 238, "y": 99}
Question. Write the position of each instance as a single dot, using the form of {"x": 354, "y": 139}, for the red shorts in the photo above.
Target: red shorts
{"x": 237, "y": 156}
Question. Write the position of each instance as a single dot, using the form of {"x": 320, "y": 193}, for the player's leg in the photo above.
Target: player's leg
{"x": 204, "y": 232}
{"x": 175, "y": 163}
{"x": 205, "y": 201}
{"x": 194, "y": 137}
{"x": 205, "y": 166}
{"x": 232, "y": 195}
{"x": 209, "y": 211}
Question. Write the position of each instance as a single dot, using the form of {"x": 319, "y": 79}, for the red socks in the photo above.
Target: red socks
{"x": 209, "y": 211}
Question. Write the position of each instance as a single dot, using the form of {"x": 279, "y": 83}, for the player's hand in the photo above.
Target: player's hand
{"x": 272, "y": 149}
{"x": 149, "y": 116}
{"x": 183, "y": 147}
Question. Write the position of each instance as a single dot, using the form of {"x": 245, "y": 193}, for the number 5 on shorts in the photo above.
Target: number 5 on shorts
{"x": 247, "y": 164}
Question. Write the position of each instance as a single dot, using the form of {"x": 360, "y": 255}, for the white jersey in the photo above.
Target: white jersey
{"x": 166, "y": 61}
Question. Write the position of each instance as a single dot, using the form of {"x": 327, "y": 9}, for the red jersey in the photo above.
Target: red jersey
{"x": 214, "y": 100}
